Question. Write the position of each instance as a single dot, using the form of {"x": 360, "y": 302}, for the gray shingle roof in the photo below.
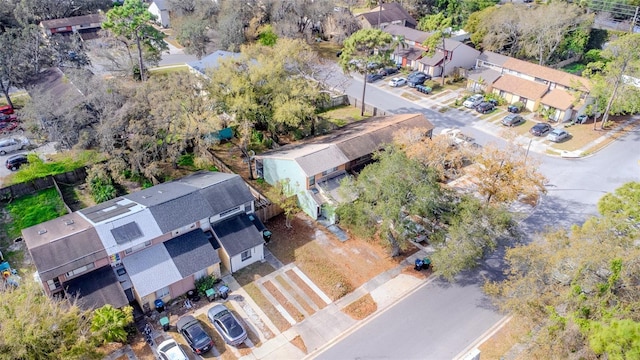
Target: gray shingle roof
{"x": 211, "y": 61}
{"x": 226, "y": 194}
{"x": 151, "y": 269}
{"x": 185, "y": 210}
{"x": 191, "y": 252}
{"x": 493, "y": 58}
{"x": 97, "y": 288}
{"x": 408, "y": 33}
{"x": 72, "y": 21}
{"x": 390, "y": 12}
{"x": 237, "y": 234}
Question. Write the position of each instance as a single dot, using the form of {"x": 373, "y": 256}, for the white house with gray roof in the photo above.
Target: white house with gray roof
{"x": 151, "y": 244}
{"x": 314, "y": 168}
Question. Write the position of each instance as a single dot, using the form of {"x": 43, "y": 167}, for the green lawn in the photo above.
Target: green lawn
{"x": 34, "y": 209}
{"x": 326, "y": 49}
{"x": 343, "y": 115}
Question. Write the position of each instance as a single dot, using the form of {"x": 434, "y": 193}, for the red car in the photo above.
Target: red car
{"x": 6, "y": 127}
{"x": 7, "y": 118}
{"x": 6, "y": 109}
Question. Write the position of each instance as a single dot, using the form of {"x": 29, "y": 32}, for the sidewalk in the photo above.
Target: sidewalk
{"x": 328, "y": 325}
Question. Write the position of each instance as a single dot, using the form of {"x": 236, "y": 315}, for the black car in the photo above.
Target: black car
{"x": 485, "y": 107}
{"x": 540, "y": 129}
{"x": 417, "y": 78}
{"x": 512, "y": 120}
{"x": 513, "y": 109}
{"x": 388, "y": 71}
{"x": 373, "y": 77}
{"x": 193, "y": 333}
{"x": 14, "y": 162}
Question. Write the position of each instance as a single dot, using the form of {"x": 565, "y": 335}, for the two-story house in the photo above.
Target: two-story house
{"x": 314, "y": 168}
{"x": 452, "y": 53}
{"x": 562, "y": 94}
{"x": 384, "y": 15}
{"x": 151, "y": 244}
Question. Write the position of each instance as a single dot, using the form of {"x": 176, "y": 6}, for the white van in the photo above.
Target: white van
{"x": 12, "y": 144}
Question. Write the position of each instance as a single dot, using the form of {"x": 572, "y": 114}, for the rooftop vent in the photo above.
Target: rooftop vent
{"x": 68, "y": 222}
{"x": 42, "y": 231}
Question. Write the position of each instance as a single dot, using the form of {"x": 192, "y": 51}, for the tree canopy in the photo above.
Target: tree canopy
{"x": 580, "y": 285}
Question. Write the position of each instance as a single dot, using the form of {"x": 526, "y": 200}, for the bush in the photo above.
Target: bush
{"x": 100, "y": 183}
{"x": 205, "y": 283}
{"x": 186, "y": 160}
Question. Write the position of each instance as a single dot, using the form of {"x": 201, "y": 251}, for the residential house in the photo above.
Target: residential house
{"x": 151, "y": 244}
{"x": 562, "y": 95}
{"x": 314, "y": 168}
{"x": 211, "y": 61}
{"x": 413, "y": 53}
{"x": 390, "y": 14}
{"x": 160, "y": 10}
{"x": 86, "y": 25}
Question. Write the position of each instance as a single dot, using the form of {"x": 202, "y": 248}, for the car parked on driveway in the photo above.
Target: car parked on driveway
{"x": 13, "y": 144}
{"x": 513, "y": 109}
{"x": 388, "y": 71}
{"x": 6, "y": 109}
{"x": 171, "y": 350}
{"x": 395, "y": 82}
{"x": 513, "y": 120}
{"x": 558, "y": 135}
{"x": 540, "y": 129}
{"x": 227, "y": 325}
{"x": 485, "y": 107}
{"x": 373, "y": 77}
{"x": 193, "y": 333}
{"x": 417, "y": 78}
{"x": 14, "y": 162}
{"x": 473, "y": 101}
{"x": 7, "y": 127}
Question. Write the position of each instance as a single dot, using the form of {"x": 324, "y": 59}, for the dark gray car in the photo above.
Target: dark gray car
{"x": 512, "y": 120}
{"x": 227, "y": 325}
{"x": 193, "y": 333}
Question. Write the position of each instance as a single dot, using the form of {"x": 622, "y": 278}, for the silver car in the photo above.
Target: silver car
{"x": 227, "y": 325}
{"x": 395, "y": 82}
{"x": 557, "y": 135}
{"x": 13, "y": 144}
{"x": 473, "y": 101}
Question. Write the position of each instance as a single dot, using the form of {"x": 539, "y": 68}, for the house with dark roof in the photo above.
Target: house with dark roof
{"x": 390, "y": 14}
{"x": 452, "y": 54}
{"x": 151, "y": 244}
{"x": 86, "y": 25}
{"x": 561, "y": 94}
{"x": 313, "y": 168}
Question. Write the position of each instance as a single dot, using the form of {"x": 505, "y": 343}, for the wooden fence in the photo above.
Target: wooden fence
{"x": 17, "y": 190}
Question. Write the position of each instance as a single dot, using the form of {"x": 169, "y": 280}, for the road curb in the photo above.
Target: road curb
{"x": 364, "y": 322}
{"x": 484, "y": 337}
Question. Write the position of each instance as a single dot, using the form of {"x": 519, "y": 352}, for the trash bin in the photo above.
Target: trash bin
{"x": 159, "y": 305}
{"x": 266, "y": 235}
{"x": 164, "y": 321}
{"x": 224, "y": 292}
{"x": 211, "y": 294}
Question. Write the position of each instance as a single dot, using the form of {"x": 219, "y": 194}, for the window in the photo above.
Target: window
{"x": 246, "y": 255}
{"x": 312, "y": 180}
{"x": 329, "y": 171}
{"x": 162, "y": 293}
{"x": 137, "y": 247}
{"x": 80, "y": 270}
{"x": 53, "y": 284}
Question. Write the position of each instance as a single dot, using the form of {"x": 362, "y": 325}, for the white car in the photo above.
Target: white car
{"x": 473, "y": 101}
{"x": 171, "y": 350}
{"x": 456, "y": 137}
{"x": 395, "y": 82}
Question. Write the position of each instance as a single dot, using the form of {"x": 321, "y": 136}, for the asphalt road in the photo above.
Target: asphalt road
{"x": 440, "y": 320}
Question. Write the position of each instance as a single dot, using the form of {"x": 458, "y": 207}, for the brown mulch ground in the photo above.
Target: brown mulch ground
{"x": 282, "y": 300}
{"x": 306, "y": 289}
{"x": 142, "y": 349}
{"x": 361, "y": 308}
{"x": 296, "y": 296}
{"x": 299, "y": 343}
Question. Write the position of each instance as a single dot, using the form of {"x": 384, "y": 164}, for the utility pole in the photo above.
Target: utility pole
{"x": 379, "y": 14}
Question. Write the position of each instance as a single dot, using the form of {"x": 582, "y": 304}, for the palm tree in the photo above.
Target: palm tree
{"x": 109, "y": 323}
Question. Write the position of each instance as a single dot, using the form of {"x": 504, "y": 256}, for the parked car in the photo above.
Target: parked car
{"x": 7, "y": 118}
{"x": 557, "y": 135}
{"x": 14, "y": 162}
{"x": 395, "y": 82}
{"x": 227, "y": 325}
{"x": 388, "y": 71}
{"x": 456, "y": 138}
{"x": 540, "y": 129}
{"x": 12, "y": 144}
{"x": 485, "y": 107}
{"x": 581, "y": 119}
{"x": 473, "y": 101}
{"x": 193, "y": 333}
{"x": 373, "y": 77}
{"x": 171, "y": 350}
{"x": 6, "y": 109}
{"x": 6, "y": 127}
{"x": 417, "y": 78}
{"x": 513, "y": 109}
{"x": 513, "y": 120}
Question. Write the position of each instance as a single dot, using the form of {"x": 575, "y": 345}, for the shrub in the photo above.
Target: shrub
{"x": 205, "y": 283}
{"x": 100, "y": 183}
{"x": 186, "y": 160}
